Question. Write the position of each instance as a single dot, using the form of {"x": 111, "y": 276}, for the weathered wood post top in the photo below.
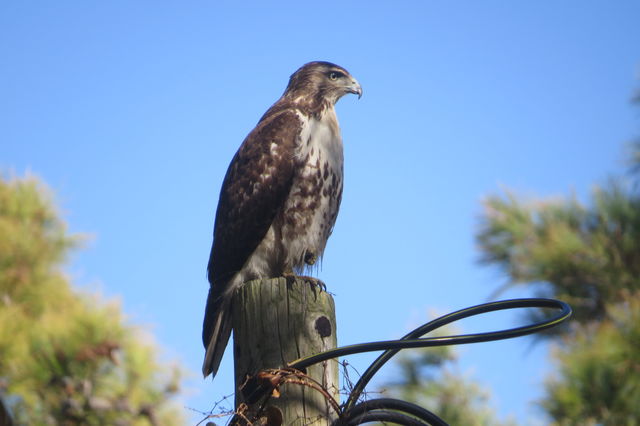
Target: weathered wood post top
{"x": 281, "y": 320}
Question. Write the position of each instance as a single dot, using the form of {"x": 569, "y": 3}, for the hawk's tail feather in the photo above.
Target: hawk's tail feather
{"x": 216, "y": 332}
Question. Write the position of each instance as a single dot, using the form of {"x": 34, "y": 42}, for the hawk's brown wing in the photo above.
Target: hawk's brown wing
{"x": 255, "y": 188}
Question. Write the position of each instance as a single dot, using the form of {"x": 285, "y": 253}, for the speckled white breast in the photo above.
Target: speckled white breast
{"x": 312, "y": 207}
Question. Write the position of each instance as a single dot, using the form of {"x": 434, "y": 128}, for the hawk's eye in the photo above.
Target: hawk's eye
{"x": 334, "y": 75}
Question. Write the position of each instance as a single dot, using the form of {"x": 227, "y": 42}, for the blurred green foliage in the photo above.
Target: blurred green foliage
{"x": 430, "y": 379}
{"x": 589, "y": 256}
{"x": 66, "y": 356}
{"x": 599, "y": 371}
{"x": 586, "y": 254}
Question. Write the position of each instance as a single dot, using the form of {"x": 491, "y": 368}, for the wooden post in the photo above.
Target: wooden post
{"x": 275, "y": 323}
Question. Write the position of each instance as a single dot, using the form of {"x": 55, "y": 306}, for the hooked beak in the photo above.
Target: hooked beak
{"x": 355, "y": 88}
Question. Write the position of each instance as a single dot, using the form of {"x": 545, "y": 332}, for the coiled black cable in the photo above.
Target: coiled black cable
{"x": 402, "y": 412}
{"x": 368, "y": 411}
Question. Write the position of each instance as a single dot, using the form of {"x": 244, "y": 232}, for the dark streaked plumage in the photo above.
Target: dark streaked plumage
{"x": 280, "y": 196}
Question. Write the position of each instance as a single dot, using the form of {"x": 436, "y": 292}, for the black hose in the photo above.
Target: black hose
{"x": 392, "y": 404}
{"x": 414, "y": 340}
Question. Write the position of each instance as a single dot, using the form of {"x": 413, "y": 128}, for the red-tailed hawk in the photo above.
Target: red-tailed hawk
{"x": 280, "y": 196}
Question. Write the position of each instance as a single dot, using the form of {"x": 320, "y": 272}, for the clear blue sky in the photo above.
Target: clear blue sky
{"x": 131, "y": 112}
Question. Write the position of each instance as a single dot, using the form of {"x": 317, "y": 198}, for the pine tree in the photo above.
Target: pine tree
{"x": 66, "y": 356}
{"x": 589, "y": 256}
{"x": 599, "y": 371}
{"x": 430, "y": 379}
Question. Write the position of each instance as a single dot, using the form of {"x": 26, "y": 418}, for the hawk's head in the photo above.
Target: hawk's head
{"x": 320, "y": 82}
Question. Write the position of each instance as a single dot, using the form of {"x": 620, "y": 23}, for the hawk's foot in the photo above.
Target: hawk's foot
{"x": 315, "y": 283}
